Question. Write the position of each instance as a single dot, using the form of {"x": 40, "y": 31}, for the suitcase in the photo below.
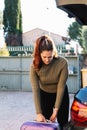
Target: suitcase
{"x": 34, "y": 125}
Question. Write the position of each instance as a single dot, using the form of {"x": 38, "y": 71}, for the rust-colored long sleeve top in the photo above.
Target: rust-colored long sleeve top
{"x": 50, "y": 78}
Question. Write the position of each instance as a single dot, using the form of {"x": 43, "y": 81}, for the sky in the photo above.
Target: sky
{"x": 43, "y": 14}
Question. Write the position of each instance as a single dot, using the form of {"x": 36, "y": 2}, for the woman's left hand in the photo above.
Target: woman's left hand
{"x": 54, "y": 115}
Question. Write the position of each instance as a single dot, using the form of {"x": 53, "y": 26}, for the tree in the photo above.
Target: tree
{"x": 75, "y": 32}
{"x": 85, "y": 40}
{"x": 12, "y": 21}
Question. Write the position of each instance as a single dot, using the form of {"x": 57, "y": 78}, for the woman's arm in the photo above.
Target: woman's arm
{"x": 35, "y": 89}
{"x": 61, "y": 84}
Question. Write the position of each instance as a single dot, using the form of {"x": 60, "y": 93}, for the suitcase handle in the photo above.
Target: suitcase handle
{"x": 48, "y": 121}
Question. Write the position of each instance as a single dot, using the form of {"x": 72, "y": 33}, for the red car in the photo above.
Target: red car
{"x": 78, "y": 111}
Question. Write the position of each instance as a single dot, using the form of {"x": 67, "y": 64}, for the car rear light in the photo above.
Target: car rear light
{"x": 79, "y": 113}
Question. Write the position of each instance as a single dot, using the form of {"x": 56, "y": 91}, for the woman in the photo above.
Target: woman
{"x": 48, "y": 75}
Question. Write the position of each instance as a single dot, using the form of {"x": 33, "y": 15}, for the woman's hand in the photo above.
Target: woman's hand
{"x": 40, "y": 118}
{"x": 54, "y": 115}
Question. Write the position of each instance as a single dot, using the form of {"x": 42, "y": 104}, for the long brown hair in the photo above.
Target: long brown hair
{"x": 42, "y": 43}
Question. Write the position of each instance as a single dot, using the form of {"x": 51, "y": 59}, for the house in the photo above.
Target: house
{"x": 30, "y": 36}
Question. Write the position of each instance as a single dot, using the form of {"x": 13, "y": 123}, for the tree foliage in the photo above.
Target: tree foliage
{"x": 75, "y": 32}
{"x": 12, "y": 21}
{"x": 85, "y": 40}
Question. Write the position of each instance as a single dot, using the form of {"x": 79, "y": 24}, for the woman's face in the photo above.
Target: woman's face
{"x": 47, "y": 56}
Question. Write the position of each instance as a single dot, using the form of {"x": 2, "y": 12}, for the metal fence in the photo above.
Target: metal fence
{"x": 27, "y": 50}
{"x": 20, "y": 50}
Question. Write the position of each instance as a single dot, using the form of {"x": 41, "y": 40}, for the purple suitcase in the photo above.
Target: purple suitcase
{"x": 33, "y": 125}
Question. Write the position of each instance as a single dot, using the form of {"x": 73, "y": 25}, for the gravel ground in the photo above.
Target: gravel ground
{"x": 17, "y": 108}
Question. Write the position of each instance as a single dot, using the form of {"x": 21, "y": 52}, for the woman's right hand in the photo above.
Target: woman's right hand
{"x": 40, "y": 118}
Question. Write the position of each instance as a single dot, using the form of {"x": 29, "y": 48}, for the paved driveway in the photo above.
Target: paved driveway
{"x": 17, "y": 108}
